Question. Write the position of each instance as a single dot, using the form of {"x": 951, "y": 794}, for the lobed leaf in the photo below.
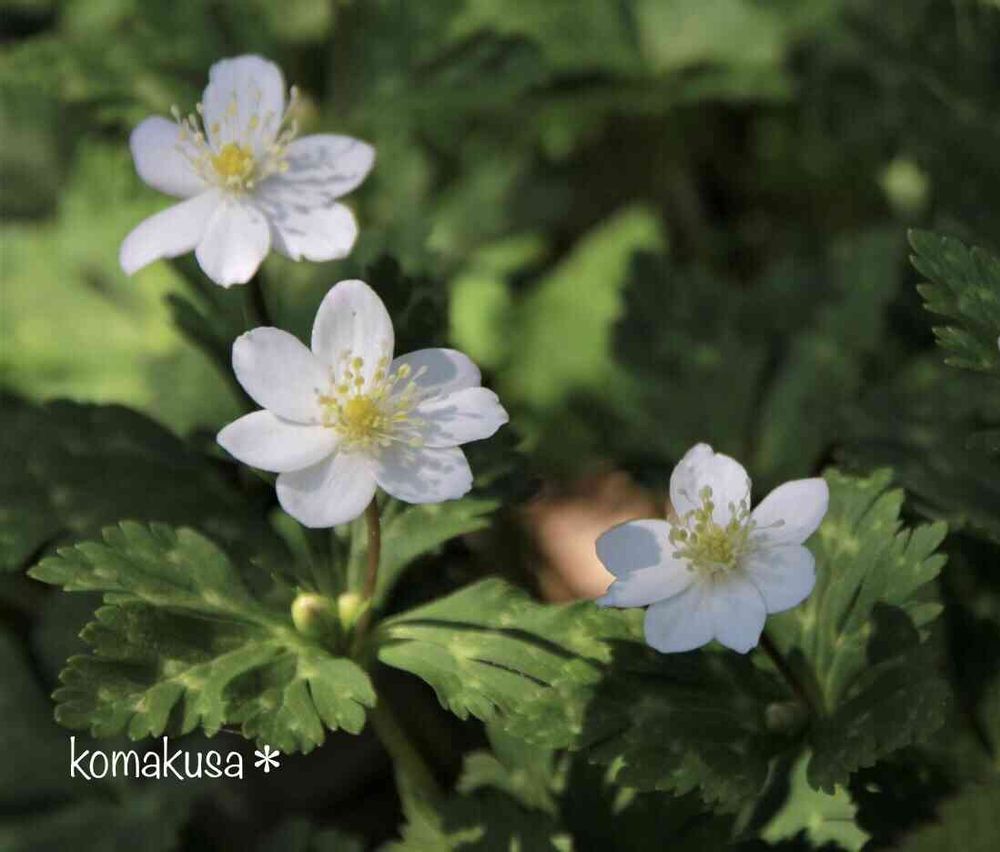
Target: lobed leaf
{"x": 183, "y": 643}
{"x": 490, "y": 651}
{"x": 857, "y": 639}
{"x": 964, "y": 287}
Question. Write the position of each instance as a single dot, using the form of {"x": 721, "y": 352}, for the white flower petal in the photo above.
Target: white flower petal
{"x": 352, "y": 319}
{"x": 280, "y": 373}
{"x": 333, "y": 492}
{"x": 701, "y": 468}
{"x": 784, "y": 575}
{"x": 323, "y": 167}
{"x": 438, "y": 371}
{"x": 792, "y": 512}
{"x": 680, "y": 623}
{"x": 307, "y": 233}
{"x": 239, "y": 91}
{"x": 169, "y": 233}
{"x": 236, "y": 240}
{"x": 738, "y": 612}
{"x": 163, "y": 160}
{"x": 640, "y": 555}
{"x": 265, "y": 441}
{"x": 634, "y": 546}
{"x": 423, "y": 474}
{"x": 470, "y": 414}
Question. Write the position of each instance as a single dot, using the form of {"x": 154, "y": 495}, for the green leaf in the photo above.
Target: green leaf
{"x": 490, "y": 651}
{"x": 485, "y": 822}
{"x": 182, "y": 642}
{"x": 71, "y": 469}
{"x": 857, "y": 637}
{"x": 703, "y": 721}
{"x": 824, "y": 817}
{"x": 965, "y": 289}
{"x": 967, "y": 822}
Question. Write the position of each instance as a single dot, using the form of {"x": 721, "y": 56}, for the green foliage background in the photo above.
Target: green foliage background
{"x": 652, "y": 222}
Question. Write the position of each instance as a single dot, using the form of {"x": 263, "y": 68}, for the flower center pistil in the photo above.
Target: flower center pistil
{"x": 372, "y": 412}
{"x": 234, "y": 163}
{"x": 707, "y": 546}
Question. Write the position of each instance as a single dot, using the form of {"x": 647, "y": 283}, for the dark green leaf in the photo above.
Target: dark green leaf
{"x": 965, "y": 289}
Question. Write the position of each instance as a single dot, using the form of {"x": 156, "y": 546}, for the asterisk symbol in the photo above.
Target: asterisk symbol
{"x": 266, "y": 759}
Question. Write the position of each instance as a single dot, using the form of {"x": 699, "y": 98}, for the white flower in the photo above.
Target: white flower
{"x": 346, "y": 416}
{"x": 249, "y": 184}
{"x": 719, "y": 569}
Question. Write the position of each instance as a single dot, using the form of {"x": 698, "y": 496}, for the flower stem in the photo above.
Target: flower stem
{"x": 414, "y": 776}
{"x": 785, "y": 670}
{"x": 255, "y": 305}
{"x": 373, "y": 524}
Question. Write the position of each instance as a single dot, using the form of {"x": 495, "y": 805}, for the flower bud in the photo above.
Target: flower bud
{"x": 349, "y": 607}
{"x": 314, "y": 615}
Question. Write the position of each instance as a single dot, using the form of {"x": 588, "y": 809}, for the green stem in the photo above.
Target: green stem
{"x": 413, "y": 774}
{"x": 373, "y": 525}
{"x": 785, "y": 670}
{"x": 255, "y": 305}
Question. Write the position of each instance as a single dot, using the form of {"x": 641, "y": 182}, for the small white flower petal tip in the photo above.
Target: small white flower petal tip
{"x": 719, "y": 569}
{"x": 249, "y": 184}
{"x": 345, "y": 417}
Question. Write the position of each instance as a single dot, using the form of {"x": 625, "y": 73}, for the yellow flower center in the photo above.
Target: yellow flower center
{"x": 371, "y": 411}
{"x": 360, "y": 418}
{"x": 234, "y": 163}
{"x": 706, "y": 545}
{"x": 243, "y": 146}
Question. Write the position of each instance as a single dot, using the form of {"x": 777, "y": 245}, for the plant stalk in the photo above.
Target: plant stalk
{"x": 255, "y": 310}
{"x": 414, "y": 776}
{"x": 373, "y": 524}
{"x": 785, "y": 670}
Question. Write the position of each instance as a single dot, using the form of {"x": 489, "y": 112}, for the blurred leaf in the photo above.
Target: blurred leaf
{"x": 919, "y": 424}
{"x": 965, "y": 289}
{"x": 44, "y": 810}
{"x": 297, "y": 834}
{"x": 560, "y": 334}
{"x": 825, "y": 818}
{"x": 74, "y": 325}
{"x": 967, "y": 822}
{"x": 72, "y": 469}
{"x": 825, "y": 366}
{"x": 183, "y": 642}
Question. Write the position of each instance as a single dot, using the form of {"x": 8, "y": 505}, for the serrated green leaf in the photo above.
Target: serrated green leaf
{"x": 182, "y": 642}
{"x": 490, "y": 651}
{"x": 71, "y": 469}
{"x": 857, "y": 636}
{"x": 683, "y": 722}
{"x": 824, "y": 817}
{"x": 964, "y": 288}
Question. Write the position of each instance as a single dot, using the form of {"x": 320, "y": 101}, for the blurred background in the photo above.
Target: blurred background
{"x": 652, "y": 222}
